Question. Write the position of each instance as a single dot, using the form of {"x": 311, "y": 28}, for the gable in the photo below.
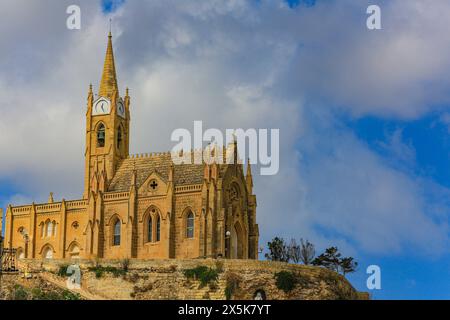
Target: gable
{"x": 154, "y": 185}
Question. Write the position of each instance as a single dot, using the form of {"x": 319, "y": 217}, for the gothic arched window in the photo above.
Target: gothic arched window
{"x": 49, "y": 229}
{"x": 149, "y": 229}
{"x": 234, "y": 192}
{"x": 119, "y": 137}
{"x": 42, "y": 229}
{"x": 158, "y": 229}
{"x": 101, "y": 134}
{"x": 116, "y": 237}
{"x": 190, "y": 225}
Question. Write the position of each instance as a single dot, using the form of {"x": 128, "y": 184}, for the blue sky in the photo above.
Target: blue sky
{"x": 111, "y": 5}
{"x": 364, "y": 118}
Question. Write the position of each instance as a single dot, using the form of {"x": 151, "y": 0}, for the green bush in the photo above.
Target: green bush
{"x": 100, "y": 270}
{"x": 116, "y": 272}
{"x": 233, "y": 281}
{"x": 62, "y": 271}
{"x": 36, "y": 294}
{"x": 98, "y": 273}
{"x": 67, "y": 295}
{"x": 125, "y": 264}
{"x": 194, "y": 273}
{"x": 19, "y": 293}
{"x": 285, "y": 281}
{"x": 202, "y": 273}
{"x": 228, "y": 292}
{"x": 52, "y": 295}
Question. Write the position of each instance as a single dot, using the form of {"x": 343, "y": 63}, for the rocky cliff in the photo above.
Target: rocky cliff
{"x": 200, "y": 279}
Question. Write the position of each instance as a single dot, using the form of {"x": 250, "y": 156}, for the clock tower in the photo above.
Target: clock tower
{"x": 107, "y": 129}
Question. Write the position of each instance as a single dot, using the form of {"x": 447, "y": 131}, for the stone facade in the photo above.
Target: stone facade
{"x": 139, "y": 206}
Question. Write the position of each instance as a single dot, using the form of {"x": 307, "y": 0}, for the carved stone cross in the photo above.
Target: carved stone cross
{"x": 154, "y": 185}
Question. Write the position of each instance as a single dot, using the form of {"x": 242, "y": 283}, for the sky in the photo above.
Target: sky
{"x": 364, "y": 116}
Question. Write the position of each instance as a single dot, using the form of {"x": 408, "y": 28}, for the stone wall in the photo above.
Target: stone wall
{"x": 165, "y": 279}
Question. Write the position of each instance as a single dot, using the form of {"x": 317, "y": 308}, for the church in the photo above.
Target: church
{"x": 138, "y": 206}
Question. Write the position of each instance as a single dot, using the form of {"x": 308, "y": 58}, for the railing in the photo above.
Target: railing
{"x": 116, "y": 196}
{"x": 192, "y": 188}
{"x": 50, "y": 207}
{"x": 8, "y": 261}
{"x": 148, "y": 155}
{"x": 21, "y": 210}
{"x": 76, "y": 204}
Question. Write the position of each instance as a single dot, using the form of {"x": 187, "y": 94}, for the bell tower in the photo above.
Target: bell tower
{"x": 107, "y": 128}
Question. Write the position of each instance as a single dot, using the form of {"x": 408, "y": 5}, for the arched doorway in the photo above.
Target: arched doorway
{"x": 47, "y": 253}
{"x": 237, "y": 242}
{"x": 74, "y": 251}
{"x": 259, "y": 295}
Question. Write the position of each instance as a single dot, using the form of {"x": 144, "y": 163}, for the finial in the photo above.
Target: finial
{"x": 134, "y": 177}
{"x": 110, "y": 28}
{"x": 127, "y": 92}
{"x": 50, "y": 198}
{"x": 234, "y": 138}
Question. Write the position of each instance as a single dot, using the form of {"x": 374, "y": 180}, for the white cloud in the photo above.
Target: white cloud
{"x": 399, "y": 71}
{"x": 238, "y": 64}
{"x": 352, "y": 193}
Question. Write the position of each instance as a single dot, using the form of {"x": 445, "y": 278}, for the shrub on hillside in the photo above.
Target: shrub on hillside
{"x": 202, "y": 273}
{"x": 233, "y": 281}
{"x": 285, "y": 281}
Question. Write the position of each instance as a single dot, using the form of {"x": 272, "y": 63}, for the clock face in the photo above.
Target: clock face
{"x": 121, "y": 109}
{"x": 101, "y": 106}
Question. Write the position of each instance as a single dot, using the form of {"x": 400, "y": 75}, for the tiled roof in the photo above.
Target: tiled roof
{"x": 184, "y": 174}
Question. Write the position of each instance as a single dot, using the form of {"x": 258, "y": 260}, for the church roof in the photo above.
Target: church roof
{"x": 184, "y": 174}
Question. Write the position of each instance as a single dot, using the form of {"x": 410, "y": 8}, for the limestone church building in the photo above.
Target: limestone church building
{"x": 140, "y": 206}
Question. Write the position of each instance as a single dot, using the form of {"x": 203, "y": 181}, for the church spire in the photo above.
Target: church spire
{"x": 249, "y": 177}
{"x": 109, "y": 78}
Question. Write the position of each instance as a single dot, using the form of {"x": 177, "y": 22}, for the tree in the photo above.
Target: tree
{"x": 330, "y": 259}
{"x": 307, "y": 252}
{"x": 294, "y": 251}
{"x": 348, "y": 265}
{"x": 278, "y": 250}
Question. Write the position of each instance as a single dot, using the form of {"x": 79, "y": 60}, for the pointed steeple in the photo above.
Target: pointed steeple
{"x": 249, "y": 178}
{"x": 108, "y": 83}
